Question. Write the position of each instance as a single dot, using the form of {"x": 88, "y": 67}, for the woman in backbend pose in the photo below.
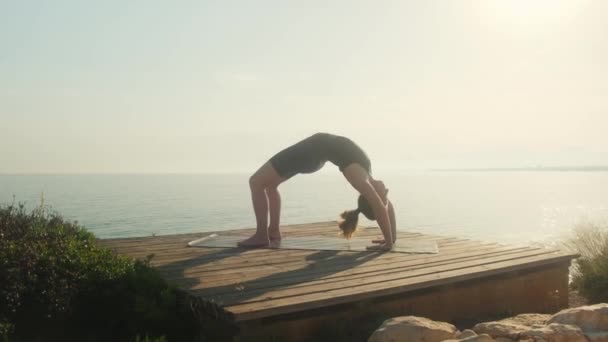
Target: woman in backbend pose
{"x": 308, "y": 156}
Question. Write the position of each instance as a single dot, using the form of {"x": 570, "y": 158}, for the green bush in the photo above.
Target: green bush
{"x": 590, "y": 271}
{"x": 57, "y": 284}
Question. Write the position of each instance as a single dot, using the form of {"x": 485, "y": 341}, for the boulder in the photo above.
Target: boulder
{"x": 592, "y": 319}
{"x": 529, "y": 320}
{"x": 512, "y": 327}
{"x": 530, "y": 327}
{"x": 554, "y": 333}
{"x": 500, "y": 329}
{"x": 582, "y": 324}
{"x": 588, "y": 318}
{"x": 474, "y": 338}
{"x": 465, "y": 333}
{"x": 412, "y": 328}
{"x": 596, "y": 336}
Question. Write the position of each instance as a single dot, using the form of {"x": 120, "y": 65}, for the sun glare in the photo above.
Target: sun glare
{"x": 528, "y": 17}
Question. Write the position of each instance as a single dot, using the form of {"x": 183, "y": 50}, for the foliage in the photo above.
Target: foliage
{"x": 590, "y": 271}
{"x": 54, "y": 277}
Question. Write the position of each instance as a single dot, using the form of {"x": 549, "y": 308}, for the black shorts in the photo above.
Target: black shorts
{"x": 310, "y": 154}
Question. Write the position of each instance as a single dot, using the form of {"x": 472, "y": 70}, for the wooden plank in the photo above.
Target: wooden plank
{"x": 331, "y": 272}
{"x": 140, "y": 239}
{"x": 220, "y": 285}
{"x": 338, "y": 296}
{"x": 178, "y": 244}
{"x": 289, "y": 230}
{"x": 281, "y": 281}
{"x": 346, "y": 260}
{"x": 374, "y": 275}
{"x": 294, "y": 258}
{"x": 175, "y": 241}
{"x": 542, "y": 290}
{"x": 180, "y": 253}
{"x": 143, "y": 251}
{"x": 303, "y": 258}
{"x": 159, "y": 239}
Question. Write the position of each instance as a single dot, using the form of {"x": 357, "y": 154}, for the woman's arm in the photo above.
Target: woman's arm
{"x": 358, "y": 177}
{"x": 391, "y": 216}
{"x": 381, "y": 212}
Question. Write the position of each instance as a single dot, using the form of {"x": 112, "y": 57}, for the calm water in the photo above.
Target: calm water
{"x": 510, "y": 207}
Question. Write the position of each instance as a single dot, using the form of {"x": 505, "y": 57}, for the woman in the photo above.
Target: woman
{"x": 308, "y": 156}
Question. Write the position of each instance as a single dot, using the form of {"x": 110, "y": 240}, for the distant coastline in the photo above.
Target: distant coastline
{"x": 538, "y": 168}
{"x": 590, "y": 168}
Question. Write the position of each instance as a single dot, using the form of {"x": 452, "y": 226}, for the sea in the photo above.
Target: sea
{"x": 513, "y": 207}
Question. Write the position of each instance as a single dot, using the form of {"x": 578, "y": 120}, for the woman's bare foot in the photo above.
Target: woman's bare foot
{"x": 254, "y": 241}
{"x": 274, "y": 235}
{"x": 380, "y": 247}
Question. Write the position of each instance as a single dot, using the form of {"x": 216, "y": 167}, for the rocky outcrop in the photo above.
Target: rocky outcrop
{"x": 474, "y": 338}
{"x": 554, "y": 333}
{"x": 412, "y": 328}
{"x": 586, "y": 323}
{"x": 531, "y": 327}
{"x": 528, "y": 320}
{"x": 512, "y": 327}
{"x": 465, "y": 334}
{"x": 500, "y": 329}
{"x": 592, "y": 319}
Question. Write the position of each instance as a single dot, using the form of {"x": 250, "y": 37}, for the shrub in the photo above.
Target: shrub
{"x": 57, "y": 284}
{"x": 590, "y": 271}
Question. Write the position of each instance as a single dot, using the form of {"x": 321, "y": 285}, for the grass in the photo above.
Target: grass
{"x": 589, "y": 273}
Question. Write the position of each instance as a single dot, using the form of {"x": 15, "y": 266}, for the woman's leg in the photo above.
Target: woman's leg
{"x": 264, "y": 178}
{"x": 274, "y": 206}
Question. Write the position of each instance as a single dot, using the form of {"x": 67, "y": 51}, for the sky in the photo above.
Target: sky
{"x": 220, "y": 86}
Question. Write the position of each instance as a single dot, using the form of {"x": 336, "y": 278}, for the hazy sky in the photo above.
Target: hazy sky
{"x": 213, "y": 86}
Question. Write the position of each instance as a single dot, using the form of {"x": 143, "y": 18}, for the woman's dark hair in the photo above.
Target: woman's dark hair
{"x": 351, "y": 217}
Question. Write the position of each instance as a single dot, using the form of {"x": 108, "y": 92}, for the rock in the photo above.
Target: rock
{"x": 555, "y": 333}
{"x": 480, "y": 338}
{"x": 466, "y": 333}
{"x": 529, "y": 327}
{"x": 511, "y": 327}
{"x": 412, "y": 328}
{"x": 474, "y": 338}
{"x": 593, "y": 318}
{"x": 596, "y": 336}
{"x": 500, "y": 329}
{"x": 469, "y": 335}
{"x": 504, "y": 339}
{"x": 528, "y": 319}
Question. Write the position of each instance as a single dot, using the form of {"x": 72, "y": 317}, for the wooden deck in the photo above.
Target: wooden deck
{"x": 261, "y": 287}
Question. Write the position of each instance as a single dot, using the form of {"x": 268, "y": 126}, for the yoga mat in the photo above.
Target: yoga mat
{"x": 320, "y": 243}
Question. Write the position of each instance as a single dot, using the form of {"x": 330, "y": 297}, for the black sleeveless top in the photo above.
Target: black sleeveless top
{"x": 310, "y": 154}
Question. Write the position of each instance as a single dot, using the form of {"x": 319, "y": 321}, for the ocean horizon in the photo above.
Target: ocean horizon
{"x": 508, "y": 206}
